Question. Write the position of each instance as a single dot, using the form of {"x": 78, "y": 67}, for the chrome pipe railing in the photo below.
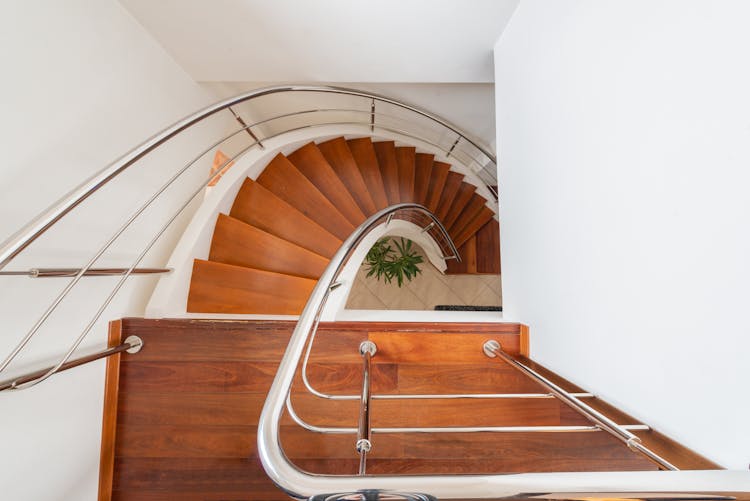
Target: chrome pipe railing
{"x": 91, "y": 272}
{"x": 24, "y": 237}
{"x": 132, "y": 344}
{"x": 302, "y": 485}
{"x": 364, "y": 444}
{"x": 493, "y": 349}
{"x": 13, "y": 246}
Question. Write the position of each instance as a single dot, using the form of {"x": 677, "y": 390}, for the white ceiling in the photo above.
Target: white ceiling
{"x": 328, "y": 40}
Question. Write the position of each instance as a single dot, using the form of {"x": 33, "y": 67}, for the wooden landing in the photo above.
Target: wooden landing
{"x": 187, "y": 408}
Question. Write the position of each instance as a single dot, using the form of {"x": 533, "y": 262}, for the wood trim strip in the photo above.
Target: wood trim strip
{"x": 524, "y": 340}
{"x": 109, "y": 417}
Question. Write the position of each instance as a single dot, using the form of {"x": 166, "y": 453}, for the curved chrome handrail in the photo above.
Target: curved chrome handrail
{"x": 302, "y": 485}
{"x": 24, "y": 237}
{"x": 84, "y": 271}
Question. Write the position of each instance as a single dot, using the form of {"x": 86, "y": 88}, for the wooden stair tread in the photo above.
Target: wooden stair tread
{"x": 450, "y": 190}
{"x": 282, "y": 178}
{"x": 422, "y": 170}
{"x": 438, "y": 177}
{"x": 468, "y": 213}
{"x": 363, "y": 153}
{"x": 337, "y": 153}
{"x": 257, "y": 206}
{"x": 240, "y": 244}
{"x": 386, "y": 154}
{"x": 464, "y": 195}
{"x": 462, "y": 235}
{"x": 310, "y": 161}
{"x": 488, "y": 240}
{"x": 405, "y": 158}
{"x": 223, "y": 288}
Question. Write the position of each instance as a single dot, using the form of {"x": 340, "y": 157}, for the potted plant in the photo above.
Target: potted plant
{"x": 388, "y": 263}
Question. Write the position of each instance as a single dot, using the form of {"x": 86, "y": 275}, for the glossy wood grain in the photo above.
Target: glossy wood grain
{"x": 450, "y": 190}
{"x": 338, "y": 155}
{"x": 363, "y": 153}
{"x": 468, "y": 213}
{"x": 438, "y": 178}
{"x": 462, "y": 235}
{"x": 110, "y": 413}
{"x": 257, "y": 206}
{"x": 422, "y": 170}
{"x": 311, "y": 162}
{"x": 188, "y": 408}
{"x": 386, "y": 154}
{"x": 463, "y": 196}
{"x": 405, "y": 158}
{"x": 240, "y": 244}
{"x": 223, "y": 288}
{"x": 488, "y": 248}
{"x": 284, "y": 180}
{"x": 468, "y": 265}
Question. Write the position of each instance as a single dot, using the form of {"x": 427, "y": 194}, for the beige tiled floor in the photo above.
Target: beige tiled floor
{"x": 428, "y": 289}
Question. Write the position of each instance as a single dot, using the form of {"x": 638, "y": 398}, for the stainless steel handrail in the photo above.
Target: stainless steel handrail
{"x": 87, "y": 269}
{"x": 493, "y": 349}
{"x": 302, "y": 485}
{"x": 24, "y": 237}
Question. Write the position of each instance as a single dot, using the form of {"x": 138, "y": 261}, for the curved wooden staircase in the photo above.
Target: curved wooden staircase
{"x": 284, "y": 227}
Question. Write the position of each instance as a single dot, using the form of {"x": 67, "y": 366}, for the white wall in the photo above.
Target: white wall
{"x": 335, "y": 40}
{"x": 82, "y": 84}
{"x": 624, "y": 138}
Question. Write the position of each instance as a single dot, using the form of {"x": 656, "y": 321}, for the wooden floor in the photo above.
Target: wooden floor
{"x": 187, "y": 408}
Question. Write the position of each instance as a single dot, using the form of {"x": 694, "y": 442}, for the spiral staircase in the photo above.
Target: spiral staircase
{"x": 284, "y": 227}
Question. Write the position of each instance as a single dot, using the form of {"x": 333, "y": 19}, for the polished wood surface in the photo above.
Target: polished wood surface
{"x": 109, "y": 414}
{"x": 405, "y": 158}
{"x": 338, "y": 155}
{"x": 257, "y": 206}
{"x": 438, "y": 177}
{"x": 302, "y": 206}
{"x": 450, "y": 190}
{"x": 488, "y": 248}
{"x": 422, "y": 171}
{"x": 223, "y": 288}
{"x": 460, "y": 236}
{"x": 468, "y": 213}
{"x": 386, "y": 154}
{"x": 468, "y": 265}
{"x": 188, "y": 406}
{"x": 363, "y": 153}
{"x": 311, "y": 162}
{"x": 284, "y": 180}
{"x": 240, "y": 244}
{"x": 463, "y": 196}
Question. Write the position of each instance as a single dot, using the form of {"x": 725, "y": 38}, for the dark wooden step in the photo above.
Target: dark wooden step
{"x": 386, "y": 153}
{"x": 422, "y": 170}
{"x": 364, "y": 154}
{"x": 464, "y": 195}
{"x": 438, "y": 177}
{"x": 405, "y": 158}
{"x": 450, "y": 190}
